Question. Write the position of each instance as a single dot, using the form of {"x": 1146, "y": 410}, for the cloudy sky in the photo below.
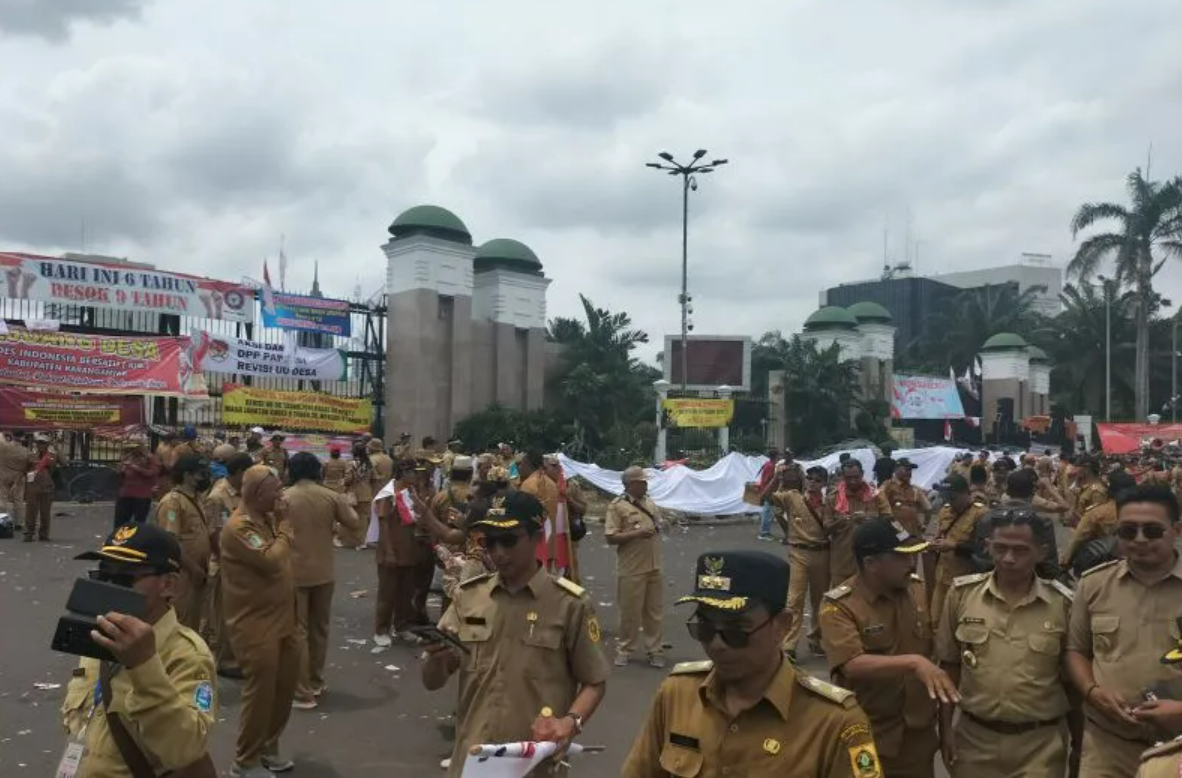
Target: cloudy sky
{"x": 193, "y": 133}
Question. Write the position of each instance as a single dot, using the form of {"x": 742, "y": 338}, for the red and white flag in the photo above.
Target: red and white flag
{"x": 268, "y": 291}
{"x": 406, "y": 508}
{"x": 947, "y": 430}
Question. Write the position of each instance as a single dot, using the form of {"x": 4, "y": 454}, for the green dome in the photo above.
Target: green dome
{"x": 831, "y": 317}
{"x": 508, "y": 254}
{"x": 1037, "y": 355}
{"x": 867, "y": 311}
{"x": 433, "y": 221}
{"x": 1005, "y": 341}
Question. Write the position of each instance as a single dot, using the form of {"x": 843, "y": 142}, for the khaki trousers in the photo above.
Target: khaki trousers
{"x": 313, "y": 610}
{"x": 808, "y": 573}
{"x": 394, "y": 606}
{"x": 1108, "y": 756}
{"x": 12, "y": 494}
{"x": 214, "y": 629}
{"x": 841, "y": 556}
{"x": 916, "y": 757}
{"x": 641, "y": 607}
{"x": 983, "y": 753}
{"x": 38, "y": 507}
{"x": 270, "y": 672}
{"x": 190, "y": 601}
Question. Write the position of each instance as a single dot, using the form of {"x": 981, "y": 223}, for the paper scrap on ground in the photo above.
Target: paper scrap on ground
{"x": 506, "y": 760}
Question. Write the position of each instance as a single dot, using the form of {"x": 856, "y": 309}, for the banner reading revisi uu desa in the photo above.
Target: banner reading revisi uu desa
{"x": 308, "y": 411}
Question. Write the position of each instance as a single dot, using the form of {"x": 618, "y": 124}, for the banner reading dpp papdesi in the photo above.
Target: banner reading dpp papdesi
{"x": 24, "y": 409}
{"x": 122, "y": 287}
{"x": 691, "y": 412}
{"x": 224, "y": 354}
{"x": 312, "y": 411}
{"x": 102, "y": 364}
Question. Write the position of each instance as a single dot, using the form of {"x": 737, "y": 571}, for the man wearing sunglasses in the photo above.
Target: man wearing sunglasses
{"x": 161, "y": 688}
{"x": 534, "y": 668}
{"x": 747, "y": 711}
{"x": 877, "y": 637}
{"x": 1125, "y": 616}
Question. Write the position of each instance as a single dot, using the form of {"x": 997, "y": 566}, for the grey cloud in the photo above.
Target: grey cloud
{"x": 52, "y": 19}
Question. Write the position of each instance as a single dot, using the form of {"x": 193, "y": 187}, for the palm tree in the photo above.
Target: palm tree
{"x": 1148, "y": 232}
{"x": 820, "y": 389}
{"x": 971, "y": 318}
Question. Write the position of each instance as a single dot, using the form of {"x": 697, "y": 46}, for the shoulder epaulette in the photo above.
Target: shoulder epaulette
{"x": 1100, "y": 567}
{"x": 1063, "y": 589}
{"x": 570, "y": 586}
{"x": 839, "y": 592}
{"x": 967, "y": 580}
{"x": 825, "y": 689}
{"x": 475, "y": 579}
{"x": 194, "y": 639}
{"x": 1164, "y": 749}
{"x": 692, "y": 668}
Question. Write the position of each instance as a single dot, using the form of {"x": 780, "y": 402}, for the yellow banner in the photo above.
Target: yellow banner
{"x": 690, "y": 412}
{"x": 305, "y": 411}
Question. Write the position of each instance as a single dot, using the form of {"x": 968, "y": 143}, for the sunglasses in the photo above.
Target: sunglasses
{"x": 1129, "y": 531}
{"x": 735, "y": 637}
{"x": 122, "y": 578}
{"x": 504, "y": 541}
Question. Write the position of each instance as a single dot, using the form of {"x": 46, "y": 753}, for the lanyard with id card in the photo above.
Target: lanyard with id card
{"x": 75, "y": 751}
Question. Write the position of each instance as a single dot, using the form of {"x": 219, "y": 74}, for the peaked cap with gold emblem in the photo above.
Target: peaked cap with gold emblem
{"x": 139, "y": 544}
{"x": 511, "y": 511}
{"x": 738, "y": 580}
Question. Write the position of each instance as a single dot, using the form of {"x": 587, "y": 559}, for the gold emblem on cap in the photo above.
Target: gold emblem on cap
{"x": 969, "y": 658}
{"x": 123, "y": 534}
{"x": 714, "y": 580}
{"x": 771, "y": 745}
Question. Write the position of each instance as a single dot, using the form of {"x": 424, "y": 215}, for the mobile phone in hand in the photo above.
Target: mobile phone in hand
{"x": 434, "y": 635}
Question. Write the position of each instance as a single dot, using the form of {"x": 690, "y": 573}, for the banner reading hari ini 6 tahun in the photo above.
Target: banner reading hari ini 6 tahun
{"x": 311, "y": 411}
{"x": 104, "y": 364}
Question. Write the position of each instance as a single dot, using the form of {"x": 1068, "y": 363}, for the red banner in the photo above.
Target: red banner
{"x": 104, "y": 364}
{"x": 23, "y": 409}
{"x": 1130, "y": 438}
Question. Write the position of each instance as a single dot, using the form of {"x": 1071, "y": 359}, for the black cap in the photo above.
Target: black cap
{"x": 882, "y": 536}
{"x": 516, "y": 509}
{"x": 139, "y": 544}
{"x": 189, "y": 463}
{"x": 957, "y": 484}
{"x": 738, "y": 580}
{"x": 904, "y": 462}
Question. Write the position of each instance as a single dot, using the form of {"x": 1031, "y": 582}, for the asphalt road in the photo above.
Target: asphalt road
{"x": 376, "y": 719}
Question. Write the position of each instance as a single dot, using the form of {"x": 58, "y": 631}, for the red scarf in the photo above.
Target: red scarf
{"x": 842, "y": 503}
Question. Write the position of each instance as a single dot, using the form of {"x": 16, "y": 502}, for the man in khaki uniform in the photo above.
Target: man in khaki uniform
{"x": 219, "y": 505}
{"x": 1092, "y": 490}
{"x": 1098, "y": 521}
{"x": 39, "y": 490}
{"x": 14, "y": 463}
{"x": 909, "y": 504}
{"x": 1002, "y": 639}
{"x": 877, "y": 638}
{"x": 1124, "y": 617}
{"x": 312, "y": 511}
{"x": 180, "y": 513}
{"x": 747, "y": 711}
{"x": 335, "y": 469}
{"x": 955, "y": 541}
{"x": 534, "y": 481}
{"x": 808, "y": 554}
{"x": 852, "y": 503}
{"x": 632, "y": 525}
{"x": 275, "y": 456}
{"x": 161, "y": 686}
{"x": 258, "y": 593}
{"x": 535, "y": 670}
{"x": 383, "y": 465}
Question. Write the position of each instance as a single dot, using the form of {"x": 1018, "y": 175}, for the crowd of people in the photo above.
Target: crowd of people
{"x": 958, "y": 633}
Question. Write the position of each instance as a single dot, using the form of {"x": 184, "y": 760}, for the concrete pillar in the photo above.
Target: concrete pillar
{"x": 661, "y": 386}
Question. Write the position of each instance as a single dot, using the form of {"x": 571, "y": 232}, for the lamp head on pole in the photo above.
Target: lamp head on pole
{"x": 665, "y": 155}
{"x": 699, "y": 153}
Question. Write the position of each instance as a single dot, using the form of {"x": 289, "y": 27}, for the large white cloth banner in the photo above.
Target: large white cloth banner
{"x": 718, "y": 490}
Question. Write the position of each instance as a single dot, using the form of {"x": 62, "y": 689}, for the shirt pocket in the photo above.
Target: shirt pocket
{"x": 1104, "y": 636}
{"x": 543, "y": 646}
{"x": 476, "y": 637}
{"x": 681, "y": 761}
{"x": 1047, "y": 643}
{"x": 975, "y": 640}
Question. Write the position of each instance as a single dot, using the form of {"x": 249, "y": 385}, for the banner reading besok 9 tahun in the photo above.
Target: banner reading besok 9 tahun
{"x": 122, "y": 288}
{"x": 103, "y": 364}
{"x": 311, "y": 411}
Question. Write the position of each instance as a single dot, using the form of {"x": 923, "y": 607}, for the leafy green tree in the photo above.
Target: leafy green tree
{"x": 970, "y": 319}
{"x": 1147, "y": 232}
{"x": 496, "y": 424}
{"x": 820, "y": 389}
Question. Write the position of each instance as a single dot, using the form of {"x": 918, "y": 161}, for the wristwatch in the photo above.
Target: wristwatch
{"x": 577, "y": 719}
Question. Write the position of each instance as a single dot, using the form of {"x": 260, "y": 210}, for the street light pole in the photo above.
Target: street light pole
{"x": 1107, "y": 349}
{"x": 688, "y": 181}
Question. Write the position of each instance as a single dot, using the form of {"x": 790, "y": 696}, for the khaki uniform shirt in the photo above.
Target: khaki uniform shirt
{"x": 530, "y": 649}
{"x": 1164, "y": 761}
{"x": 167, "y": 704}
{"x": 539, "y": 485}
{"x": 1010, "y": 659}
{"x": 276, "y": 459}
{"x": 960, "y": 528}
{"x": 639, "y": 555}
{"x": 221, "y": 502}
{"x": 1099, "y": 521}
{"x": 184, "y": 518}
{"x": 908, "y": 503}
{"x": 856, "y": 621}
{"x": 1125, "y": 627}
{"x": 312, "y": 510}
{"x": 1090, "y": 495}
{"x": 397, "y": 544}
{"x": 258, "y": 591}
{"x": 383, "y": 469}
{"x": 806, "y": 520}
{"x": 14, "y": 460}
{"x": 334, "y": 474}
{"x": 360, "y": 480}
{"x": 840, "y": 528}
{"x": 802, "y": 726}
{"x": 42, "y": 479}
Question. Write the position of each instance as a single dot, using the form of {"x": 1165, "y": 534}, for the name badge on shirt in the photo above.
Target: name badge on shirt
{"x": 71, "y": 760}
{"x": 874, "y": 629}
